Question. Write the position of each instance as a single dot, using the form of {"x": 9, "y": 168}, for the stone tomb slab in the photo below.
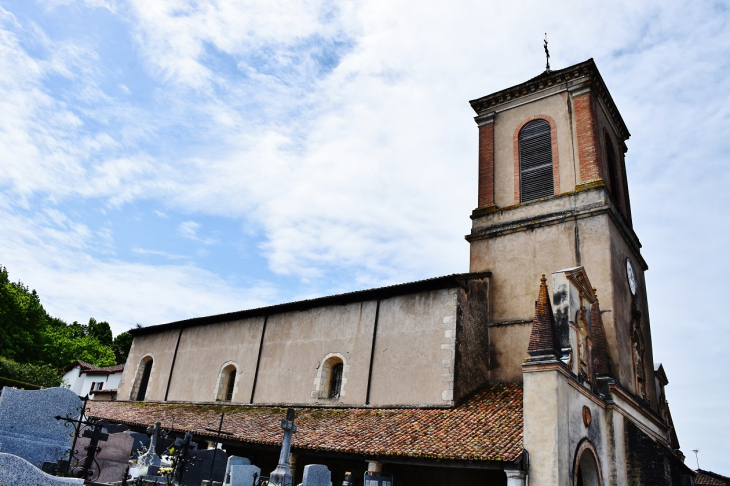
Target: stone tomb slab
{"x": 112, "y": 459}
{"x": 28, "y": 428}
{"x": 234, "y": 461}
{"x": 243, "y": 475}
{"x": 316, "y": 475}
{"x": 17, "y": 471}
{"x": 200, "y": 467}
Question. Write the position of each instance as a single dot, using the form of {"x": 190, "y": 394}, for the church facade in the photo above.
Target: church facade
{"x": 467, "y": 377}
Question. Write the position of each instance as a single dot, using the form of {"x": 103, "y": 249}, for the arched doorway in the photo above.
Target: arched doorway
{"x": 587, "y": 472}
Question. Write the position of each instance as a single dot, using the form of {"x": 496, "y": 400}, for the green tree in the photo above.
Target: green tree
{"x": 22, "y": 320}
{"x": 62, "y": 347}
{"x": 121, "y": 346}
{"x": 102, "y": 331}
{"x": 41, "y": 375}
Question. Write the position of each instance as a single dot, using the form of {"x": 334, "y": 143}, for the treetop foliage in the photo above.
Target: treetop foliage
{"x": 32, "y": 339}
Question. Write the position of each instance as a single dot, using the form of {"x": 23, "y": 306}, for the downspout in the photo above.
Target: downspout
{"x": 172, "y": 366}
{"x": 258, "y": 359}
{"x": 372, "y": 352}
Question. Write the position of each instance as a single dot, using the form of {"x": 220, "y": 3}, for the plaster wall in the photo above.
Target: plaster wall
{"x": 295, "y": 344}
{"x": 544, "y": 437}
{"x": 203, "y": 352}
{"x": 75, "y": 379}
{"x": 416, "y": 334}
{"x": 518, "y": 251}
{"x": 509, "y": 121}
{"x": 161, "y": 347}
{"x": 112, "y": 380}
{"x": 555, "y": 430}
{"x": 507, "y": 351}
{"x": 620, "y": 317}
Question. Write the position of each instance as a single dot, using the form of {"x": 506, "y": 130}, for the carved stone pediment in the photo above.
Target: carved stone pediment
{"x": 579, "y": 278}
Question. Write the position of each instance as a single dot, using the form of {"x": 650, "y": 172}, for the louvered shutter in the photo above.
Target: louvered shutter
{"x": 536, "y": 161}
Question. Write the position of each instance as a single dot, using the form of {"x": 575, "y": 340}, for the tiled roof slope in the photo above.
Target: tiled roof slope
{"x": 90, "y": 368}
{"x": 487, "y": 427}
{"x": 709, "y": 478}
{"x": 544, "y": 336}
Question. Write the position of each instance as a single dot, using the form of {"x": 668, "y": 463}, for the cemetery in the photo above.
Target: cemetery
{"x": 52, "y": 437}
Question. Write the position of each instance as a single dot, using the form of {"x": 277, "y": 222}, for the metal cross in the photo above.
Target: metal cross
{"x": 219, "y": 432}
{"x": 96, "y": 435}
{"x": 547, "y": 55}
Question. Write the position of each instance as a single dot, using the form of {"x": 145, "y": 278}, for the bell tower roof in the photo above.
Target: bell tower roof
{"x": 584, "y": 75}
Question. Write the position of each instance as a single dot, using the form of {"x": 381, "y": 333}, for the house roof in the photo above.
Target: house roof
{"x": 90, "y": 368}
{"x": 437, "y": 283}
{"x": 710, "y": 478}
{"x": 486, "y": 427}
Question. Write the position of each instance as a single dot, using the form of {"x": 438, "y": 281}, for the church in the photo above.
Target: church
{"x": 536, "y": 367}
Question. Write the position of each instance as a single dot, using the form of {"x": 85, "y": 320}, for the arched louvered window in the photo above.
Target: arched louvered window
{"x": 536, "y": 161}
{"x": 611, "y": 167}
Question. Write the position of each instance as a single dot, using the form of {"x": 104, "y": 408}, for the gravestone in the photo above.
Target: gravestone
{"x": 113, "y": 458}
{"x": 149, "y": 462}
{"x": 316, "y": 475}
{"x": 17, "y": 471}
{"x": 27, "y": 425}
{"x": 140, "y": 440}
{"x": 281, "y": 476}
{"x": 234, "y": 461}
{"x": 199, "y": 469}
{"x": 243, "y": 475}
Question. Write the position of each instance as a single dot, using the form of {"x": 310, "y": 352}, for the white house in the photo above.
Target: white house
{"x": 86, "y": 379}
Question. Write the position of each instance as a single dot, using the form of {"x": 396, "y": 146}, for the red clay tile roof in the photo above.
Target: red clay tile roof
{"x": 486, "y": 427}
{"x": 543, "y": 338}
{"x": 709, "y": 478}
{"x": 90, "y": 368}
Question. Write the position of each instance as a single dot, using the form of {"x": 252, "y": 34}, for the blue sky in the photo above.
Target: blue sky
{"x": 166, "y": 159}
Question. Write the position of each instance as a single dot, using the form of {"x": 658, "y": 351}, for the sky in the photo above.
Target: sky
{"x": 166, "y": 159}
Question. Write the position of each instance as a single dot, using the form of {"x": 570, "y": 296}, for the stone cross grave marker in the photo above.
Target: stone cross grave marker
{"x": 316, "y": 475}
{"x": 16, "y": 471}
{"x": 27, "y": 425}
{"x": 149, "y": 462}
{"x": 281, "y": 476}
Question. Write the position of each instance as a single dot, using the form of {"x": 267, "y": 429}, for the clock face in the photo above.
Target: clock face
{"x": 631, "y": 276}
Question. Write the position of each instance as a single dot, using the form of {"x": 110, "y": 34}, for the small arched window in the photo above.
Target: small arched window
{"x": 611, "y": 167}
{"x": 226, "y": 384}
{"x": 336, "y": 381}
{"x": 536, "y": 161}
{"x": 330, "y": 380}
{"x": 144, "y": 370}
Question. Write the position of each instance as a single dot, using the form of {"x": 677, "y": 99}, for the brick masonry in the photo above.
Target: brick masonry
{"x": 588, "y": 144}
{"x": 486, "y": 165}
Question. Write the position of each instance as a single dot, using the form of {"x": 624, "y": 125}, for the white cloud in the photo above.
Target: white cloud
{"x": 363, "y": 165}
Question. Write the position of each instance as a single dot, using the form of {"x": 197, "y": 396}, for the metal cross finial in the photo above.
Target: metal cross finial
{"x": 696, "y": 451}
{"x": 547, "y": 55}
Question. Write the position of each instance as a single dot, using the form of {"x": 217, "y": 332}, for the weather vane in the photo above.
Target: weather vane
{"x": 547, "y": 55}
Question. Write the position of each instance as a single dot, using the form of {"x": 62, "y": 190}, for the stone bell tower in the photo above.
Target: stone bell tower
{"x": 553, "y": 195}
